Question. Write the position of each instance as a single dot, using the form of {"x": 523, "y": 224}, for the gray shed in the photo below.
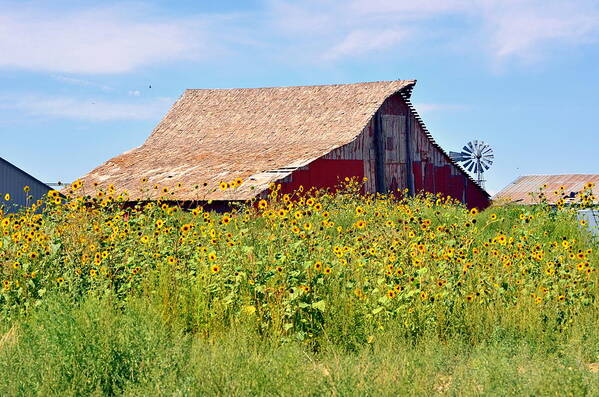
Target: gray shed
{"x": 12, "y": 181}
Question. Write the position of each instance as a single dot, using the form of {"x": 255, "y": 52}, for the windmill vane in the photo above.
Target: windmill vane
{"x": 477, "y": 157}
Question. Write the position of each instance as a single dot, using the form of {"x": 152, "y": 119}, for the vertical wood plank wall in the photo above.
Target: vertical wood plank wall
{"x": 407, "y": 154}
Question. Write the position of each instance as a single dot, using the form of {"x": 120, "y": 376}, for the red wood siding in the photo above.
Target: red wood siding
{"x": 323, "y": 173}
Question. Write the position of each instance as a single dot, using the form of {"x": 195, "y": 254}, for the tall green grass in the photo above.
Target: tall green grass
{"x": 100, "y": 348}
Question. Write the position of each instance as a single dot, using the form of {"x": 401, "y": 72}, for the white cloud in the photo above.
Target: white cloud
{"x": 123, "y": 38}
{"x": 524, "y": 30}
{"x": 134, "y": 93}
{"x": 405, "y": 9}
{"x": 499, "y": 29}
{"x": 103, "y": 40}
{"x": 85, "y": 109}
{"x": 360, "y": 42}
{"x": 82, "y": 83}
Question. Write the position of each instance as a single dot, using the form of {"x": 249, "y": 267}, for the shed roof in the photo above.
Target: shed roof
{"x": 257, "y": 134}
{"x": 525, "y": 189}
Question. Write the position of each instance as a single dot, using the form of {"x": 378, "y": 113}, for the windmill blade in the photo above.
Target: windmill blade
{"x": 488, "y": 159}
{"x": 471, "y": 166}
{"x": 466, "y": 149}
{"x": 478, "y": 168}
{"x": 481, "y": 167}
{"x": 486, "y": 163}
{"x": 471, "y": 146}
{"x": 487, "y": 150}
{"x": 467, "y": 164}
{"x": 478, "y": 145}
{"x": 468, "y": 155}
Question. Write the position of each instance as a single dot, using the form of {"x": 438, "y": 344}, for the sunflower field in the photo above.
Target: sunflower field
{"x": 298, "y": 280}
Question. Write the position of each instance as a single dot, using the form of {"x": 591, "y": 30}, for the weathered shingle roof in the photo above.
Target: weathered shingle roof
{"x": 525, "y": 189}
{"x": 214, "y": 135}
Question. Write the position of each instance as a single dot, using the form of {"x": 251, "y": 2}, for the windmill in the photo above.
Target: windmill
{"x": 476, "y": 156}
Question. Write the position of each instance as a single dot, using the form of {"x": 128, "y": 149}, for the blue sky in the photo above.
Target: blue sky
{"x": 522, "y": 75}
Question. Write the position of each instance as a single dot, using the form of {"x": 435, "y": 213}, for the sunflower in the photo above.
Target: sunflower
{"x": 360, "y": 224}
{"x": 223, "y": 186}
{"x": 215, "y": 269}
{"x": 262, "y": 204}
{"x": 212, "y": 256}
{"x": 391, "y": 293}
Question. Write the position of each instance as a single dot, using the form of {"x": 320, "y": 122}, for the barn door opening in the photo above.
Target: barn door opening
{"x": 393, "y": 128}
{"x": 379, "y": 154}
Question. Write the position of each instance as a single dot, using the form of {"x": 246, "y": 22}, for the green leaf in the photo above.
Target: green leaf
{"x": 54, "y": 247}
{"x": 320, "y": 305}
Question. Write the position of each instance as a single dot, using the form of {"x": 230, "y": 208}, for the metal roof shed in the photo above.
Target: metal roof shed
{"x": 13, "y": 180}
{"x": 525, "y": 189}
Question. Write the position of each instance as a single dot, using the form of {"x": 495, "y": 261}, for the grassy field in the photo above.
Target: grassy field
{"x": 314, "y": 294}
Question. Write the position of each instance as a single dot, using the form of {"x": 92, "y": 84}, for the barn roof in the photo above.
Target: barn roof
{"x": 525, "y": 189}
{"x": 257, "y": 134}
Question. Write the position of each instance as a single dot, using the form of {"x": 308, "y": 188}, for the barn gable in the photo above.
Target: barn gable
{"x": 313, "y": 134}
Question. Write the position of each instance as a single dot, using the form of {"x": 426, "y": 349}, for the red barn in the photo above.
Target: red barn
{"x": 310, "y": 136}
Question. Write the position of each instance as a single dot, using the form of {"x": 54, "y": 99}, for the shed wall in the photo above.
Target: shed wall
{"x": 12, "y": 181}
